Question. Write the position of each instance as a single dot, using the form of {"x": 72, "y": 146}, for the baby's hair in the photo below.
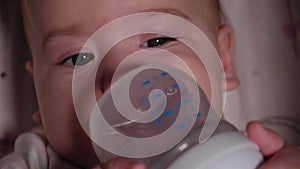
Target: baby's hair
{"x": 219, "y": 12}
{"x": 217, "y": 15}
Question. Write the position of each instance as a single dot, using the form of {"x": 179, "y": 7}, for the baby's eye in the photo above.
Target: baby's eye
{"x": 157, "y": 42}
{"x": 79, "y": 59}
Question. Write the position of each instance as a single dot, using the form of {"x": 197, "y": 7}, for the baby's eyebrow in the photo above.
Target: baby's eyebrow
{"x": 66, "y": 31}
{"x": 172, "y": 11}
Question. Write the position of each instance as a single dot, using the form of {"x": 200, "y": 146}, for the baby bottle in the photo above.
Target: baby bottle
{"x": 156, "y": 114}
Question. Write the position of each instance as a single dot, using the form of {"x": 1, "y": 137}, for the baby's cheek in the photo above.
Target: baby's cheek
{"x": 59, "y": 119}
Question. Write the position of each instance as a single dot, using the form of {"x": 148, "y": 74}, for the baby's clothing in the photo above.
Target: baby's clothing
{"x": 32, "y": 151}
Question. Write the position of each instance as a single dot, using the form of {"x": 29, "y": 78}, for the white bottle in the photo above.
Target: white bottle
{"x": 161, "y": 99}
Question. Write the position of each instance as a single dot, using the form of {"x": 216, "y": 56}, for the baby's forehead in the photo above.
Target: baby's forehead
{"x": 48, "y": 16}
{"x": 61, "y": 9}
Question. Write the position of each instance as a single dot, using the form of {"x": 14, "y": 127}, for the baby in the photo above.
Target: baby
{"x": 57, "y": 30}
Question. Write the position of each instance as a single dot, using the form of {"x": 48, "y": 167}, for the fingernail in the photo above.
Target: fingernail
{"x": 139, "y": 166}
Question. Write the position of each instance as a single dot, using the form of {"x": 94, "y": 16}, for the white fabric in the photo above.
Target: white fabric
{"x": 32, "y": 151}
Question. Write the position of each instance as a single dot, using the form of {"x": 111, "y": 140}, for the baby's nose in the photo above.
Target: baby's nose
{"x": 112, "y": 60}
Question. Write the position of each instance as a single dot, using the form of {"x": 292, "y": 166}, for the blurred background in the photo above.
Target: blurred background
{"x": 17, "y": 97}
{"x": 267, "y": 59}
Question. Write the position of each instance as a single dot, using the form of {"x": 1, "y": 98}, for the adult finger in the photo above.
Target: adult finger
{"x": 268, "y": 141}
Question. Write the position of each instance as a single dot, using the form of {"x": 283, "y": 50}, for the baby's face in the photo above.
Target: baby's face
{"x": 56, "y": 32}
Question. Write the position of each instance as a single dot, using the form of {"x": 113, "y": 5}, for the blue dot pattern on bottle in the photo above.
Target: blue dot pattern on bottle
{"x": 158, "y": 96}
{"x": 164, "y": 106}
{"x": 147, "y": 82}
{"x": 168, "y": 112}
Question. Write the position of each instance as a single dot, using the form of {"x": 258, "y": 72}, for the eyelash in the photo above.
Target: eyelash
{"x": 84, "y": 59}
{"x": 87, "y": 57}
{"x": 157, "y": 42}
